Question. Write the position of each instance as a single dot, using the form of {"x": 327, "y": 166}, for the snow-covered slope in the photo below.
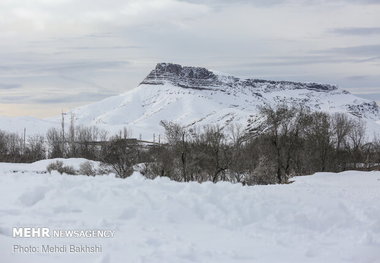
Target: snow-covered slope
{"x": 197, "y": 96}
{"x": 326, "y": 217}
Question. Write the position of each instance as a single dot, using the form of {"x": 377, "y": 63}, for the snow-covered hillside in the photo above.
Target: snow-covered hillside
{"x": 321, "y": 218}
{"x": 197, "y": 96}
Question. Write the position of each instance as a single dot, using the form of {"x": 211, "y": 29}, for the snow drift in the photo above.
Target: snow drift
{"x": 321, "y": 218}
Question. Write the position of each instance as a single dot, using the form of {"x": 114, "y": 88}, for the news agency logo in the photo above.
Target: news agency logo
{"x": 33, "y": 232}
{"x": 45, "y": 232}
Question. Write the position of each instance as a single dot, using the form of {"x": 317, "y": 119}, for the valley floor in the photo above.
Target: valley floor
{"x": 325, "y": 217}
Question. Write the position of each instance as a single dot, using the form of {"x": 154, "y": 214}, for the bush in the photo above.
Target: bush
{"x": 103, "y": 169}
{"x": 59, "y": 167}
{"x": 121, "y": 155}
{"x": 87, "y": 168}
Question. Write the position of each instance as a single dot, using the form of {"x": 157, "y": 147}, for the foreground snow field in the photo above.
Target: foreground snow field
{"x": 321, "y": 218}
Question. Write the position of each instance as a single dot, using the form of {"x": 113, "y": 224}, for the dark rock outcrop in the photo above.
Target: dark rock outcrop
{"x": 204, "y": 79}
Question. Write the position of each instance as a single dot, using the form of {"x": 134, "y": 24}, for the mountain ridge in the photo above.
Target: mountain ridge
{"x": 196, "y": 96}
{"x": 200, "y": 76}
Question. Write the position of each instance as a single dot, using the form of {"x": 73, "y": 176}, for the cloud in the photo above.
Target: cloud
{"x": 55, "y": 98}
{"x": 38, "y": 67}
{"x": 81, "y": 65}
{"x": 104, "y": 47}
{"x": 370, "y": 96}
{"x": 375, "y": 2}
{"x": 282, "y": 61}
{"x": 360, "y": 31}
{"x": 81, "y": 17}
{"x": 261, "y": 3}
{"x": 370, "y": 82}
{"x": 278, "y": 2}
{"x": 14, "y": 99}
{"x": 6, "y": 86}
{"x": 298, "y": 60}
{"x": 362, "y": 50}
{"x": 72, "y": 98}
{"x": 357, "y": 78}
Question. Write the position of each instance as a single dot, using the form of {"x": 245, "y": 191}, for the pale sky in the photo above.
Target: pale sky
{"x": 59, "y": 54}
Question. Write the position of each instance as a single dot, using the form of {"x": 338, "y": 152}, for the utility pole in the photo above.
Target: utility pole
{"x": 63, "y": 132}
{"x": 72, "y": 128}
{"x": 72, "y": 134}
{"x": 23, "y": 150}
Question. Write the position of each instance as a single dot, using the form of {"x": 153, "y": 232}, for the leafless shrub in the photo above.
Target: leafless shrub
{"x": 61, "y": 168}
{"x": 87, "y": 168}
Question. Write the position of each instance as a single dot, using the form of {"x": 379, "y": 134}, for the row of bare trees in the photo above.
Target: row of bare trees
{"x": 298, "y": 142}
{"x": 84, "y": 142}
{"x": 288, "y": 141}
{"x": 15, "y": 148}
{"x": 79, "y": 141}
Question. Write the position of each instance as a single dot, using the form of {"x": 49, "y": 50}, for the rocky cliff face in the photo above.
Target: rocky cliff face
{"x": 202, "y": 78}
{"x": 198, "y": 78}
{"x": 185, "y": 77}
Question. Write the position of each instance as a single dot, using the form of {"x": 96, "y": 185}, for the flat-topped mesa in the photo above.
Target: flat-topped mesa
{"x": 203, "y": 79}
{"x": 185, "y": 77}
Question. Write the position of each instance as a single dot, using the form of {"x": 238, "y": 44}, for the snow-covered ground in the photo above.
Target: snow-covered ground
{"x": 321, "y": 218}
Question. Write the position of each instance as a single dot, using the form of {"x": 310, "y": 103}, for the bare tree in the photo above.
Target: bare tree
{"x": 177, "y": 138}
{"x": 121, "y": 155}
{"x": 35, "y": 148}
{"x": 282, "y": 127}
{"x": 54, "y": 139}
{"x": 357, "y": 139}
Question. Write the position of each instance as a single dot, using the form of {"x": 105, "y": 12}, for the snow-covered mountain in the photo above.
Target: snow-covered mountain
{"x": 197, "y": 96}
{"x": 194, "y": 96}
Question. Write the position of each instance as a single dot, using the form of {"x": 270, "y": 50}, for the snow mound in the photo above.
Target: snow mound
{"x": 321, "y": 218}
{"x": 40, "y": 166}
